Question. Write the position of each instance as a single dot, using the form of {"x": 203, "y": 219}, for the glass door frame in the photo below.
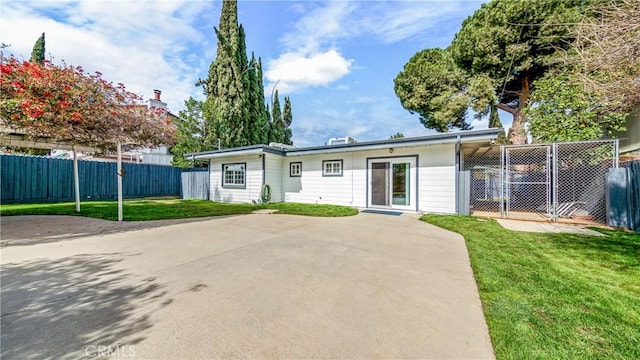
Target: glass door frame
{"x": 412, "y": 160}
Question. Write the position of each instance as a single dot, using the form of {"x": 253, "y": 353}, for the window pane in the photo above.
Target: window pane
{"x": 233, "y": 174}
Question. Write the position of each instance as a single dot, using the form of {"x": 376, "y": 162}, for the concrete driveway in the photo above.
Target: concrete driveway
{"x": 251, "y": 286}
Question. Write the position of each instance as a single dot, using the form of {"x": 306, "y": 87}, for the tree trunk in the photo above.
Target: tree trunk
{"x": 517, "y": 133}
{"x": 76, "y": 178}
{"x": 119, "y": 182}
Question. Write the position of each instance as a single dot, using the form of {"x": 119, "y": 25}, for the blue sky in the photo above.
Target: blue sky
{"x": 335, "y": 59}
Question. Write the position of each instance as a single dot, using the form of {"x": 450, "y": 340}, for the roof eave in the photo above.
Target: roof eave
{"x": 247, "y": 150}
{"x": 447, "y": 138}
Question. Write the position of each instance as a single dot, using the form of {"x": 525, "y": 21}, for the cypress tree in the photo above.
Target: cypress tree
{"x": 277, "y": 124}
{"x": 287, "y": 119}
{"x": 225, "y": 86}
{"x": 235, "y": 110}
{"x": 37, "y": 54}
{"x": 270, "y": 135}
{"x": 258, "y": 116}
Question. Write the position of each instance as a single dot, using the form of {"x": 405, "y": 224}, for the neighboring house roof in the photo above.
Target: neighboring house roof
{"x": 444, "y": 138}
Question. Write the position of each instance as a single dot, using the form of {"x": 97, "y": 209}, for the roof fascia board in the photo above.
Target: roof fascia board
{"x": 248, "y": 150}
{"x": 447, "y": 138}
{"x": 409, "y": 142}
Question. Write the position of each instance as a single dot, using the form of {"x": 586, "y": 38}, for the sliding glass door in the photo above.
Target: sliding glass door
{"x": 401, "y": 181}
{"x": 380, "y": 184}
{"x": 392, "y": 181}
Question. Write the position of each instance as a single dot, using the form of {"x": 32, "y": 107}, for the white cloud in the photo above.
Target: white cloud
{"x": 324, "y": 25}
{"x": 319, "y": 25}
{"x": 296, "y": 70}
{"x": 396, "y": 21}
{"x": 388, "y": 21}
{"x": 143, "y": 44}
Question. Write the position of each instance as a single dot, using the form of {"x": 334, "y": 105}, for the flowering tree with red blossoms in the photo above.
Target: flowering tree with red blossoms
{"x": 64, "y": 103}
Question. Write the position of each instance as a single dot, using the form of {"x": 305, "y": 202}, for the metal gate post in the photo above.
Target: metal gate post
{"x": 502, "y": 180}
{"x": 616, "y": 151}
{"x": 554, "y": 183}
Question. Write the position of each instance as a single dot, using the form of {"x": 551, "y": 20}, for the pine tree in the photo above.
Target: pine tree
{"x": 287, "y": 119}
{"x": 37, "y": 54}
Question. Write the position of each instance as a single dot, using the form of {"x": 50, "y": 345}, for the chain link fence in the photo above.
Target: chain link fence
{"x": 553, "y": 182}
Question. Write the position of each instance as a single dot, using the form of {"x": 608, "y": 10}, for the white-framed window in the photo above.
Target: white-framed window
{"x": 295, "y": 169}
{"x": 332, "y": 168}
{"x": 234, "y": 175}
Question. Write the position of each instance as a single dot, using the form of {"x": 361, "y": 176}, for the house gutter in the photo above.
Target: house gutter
{"x": 437, "y": 139}
{"x": 342, "y": 149}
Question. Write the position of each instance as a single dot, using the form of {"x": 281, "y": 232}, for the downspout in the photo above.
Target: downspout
{"x": 457, "y": 175}
{"x": 283, "y": 174}
{"x": 352, "y": 169}
{"x": 264, "y": 175}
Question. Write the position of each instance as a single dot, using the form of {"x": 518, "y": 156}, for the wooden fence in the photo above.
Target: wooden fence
{"x": 40, "y": 179}
{"x": 195, "y": 184}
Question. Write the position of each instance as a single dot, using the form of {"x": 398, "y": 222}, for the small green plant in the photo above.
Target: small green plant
{"x": 265, "y": 194}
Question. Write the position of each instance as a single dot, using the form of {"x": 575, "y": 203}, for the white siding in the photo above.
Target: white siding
{"x": 312, "y": 187}
{"x": 253, "y": 181}
{"x": 437, "y": 181}
{"x": 436, "y": 178}
{"x": 274, "y": 173}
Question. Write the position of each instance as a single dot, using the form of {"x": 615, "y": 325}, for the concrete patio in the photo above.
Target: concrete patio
{"x": 251, "y": 286}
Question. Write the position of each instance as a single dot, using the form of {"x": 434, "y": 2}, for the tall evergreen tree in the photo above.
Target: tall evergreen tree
{"x": 37, "y": 54}
{"x": 225, "y": 87}
{"x": 235, "y": 110}
{"x": 258, "y": 116}
{"x": 287, "y": 119}
{"x": 277, "y": 124}
{"x": 269, "y": 125}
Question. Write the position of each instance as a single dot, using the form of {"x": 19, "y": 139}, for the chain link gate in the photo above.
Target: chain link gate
{"x": 551, "y": 182}
{"x": 527, "y": 181}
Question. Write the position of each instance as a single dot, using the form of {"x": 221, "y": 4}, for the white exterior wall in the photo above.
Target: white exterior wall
{"x": 274, "y": 172}
{"x": 436, "y": 178}
{"x": 348, "y": 189}
{"x": 253, "y": 180}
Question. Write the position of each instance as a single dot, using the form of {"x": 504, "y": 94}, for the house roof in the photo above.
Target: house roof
{"x": 444, "y": 138}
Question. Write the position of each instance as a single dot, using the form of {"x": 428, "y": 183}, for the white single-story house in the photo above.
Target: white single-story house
{"x": 410, "y": 174}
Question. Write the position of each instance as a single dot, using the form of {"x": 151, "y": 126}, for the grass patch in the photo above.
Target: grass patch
{"x": 313, "y": 209}
{"x": 143, "y": 210}
{"x": 133, "y": 210}
{"x": 555, "y": 296}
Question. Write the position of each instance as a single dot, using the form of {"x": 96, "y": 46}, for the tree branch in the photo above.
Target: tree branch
{"x": 508, "y": 109}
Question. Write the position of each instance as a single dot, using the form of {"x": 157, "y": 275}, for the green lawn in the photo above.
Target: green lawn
{"x": 313, "y": 210}
{"x": 555, "y": 296}
{"x": 141, "y": 210}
